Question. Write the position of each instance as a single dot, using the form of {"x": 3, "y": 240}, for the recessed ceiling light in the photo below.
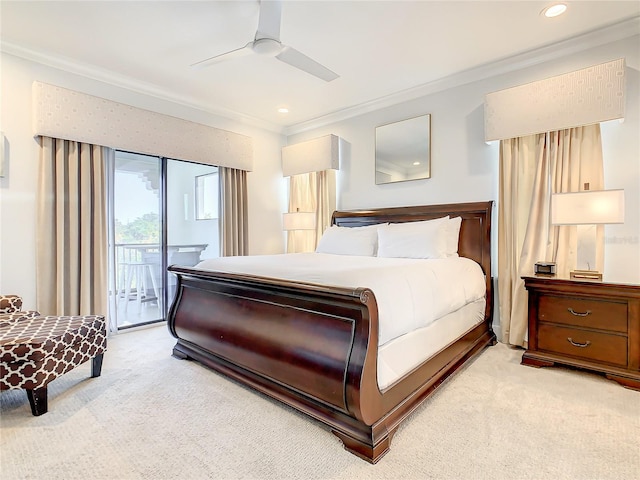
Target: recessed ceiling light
{"x": 283, "y": 110}
{"x": 554, "y": 10}
{"x": 416, "y": 163}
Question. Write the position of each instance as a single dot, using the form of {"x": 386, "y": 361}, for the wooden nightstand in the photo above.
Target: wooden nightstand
{"x": 586, "y": 324}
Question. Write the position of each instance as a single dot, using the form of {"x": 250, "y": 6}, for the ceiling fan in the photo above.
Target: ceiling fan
{"x": 267, "y": 42}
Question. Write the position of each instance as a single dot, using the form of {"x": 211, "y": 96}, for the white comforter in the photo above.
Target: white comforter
{"x": 410, "y": 293}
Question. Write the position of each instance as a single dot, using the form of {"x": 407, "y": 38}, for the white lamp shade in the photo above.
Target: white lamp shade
{"x": 315, "y": 155}
{"x": 586, "y": 208}
{"x": 299, "y": 221}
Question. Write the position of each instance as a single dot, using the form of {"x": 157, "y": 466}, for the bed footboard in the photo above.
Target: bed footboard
{"x": 312, "y": 347}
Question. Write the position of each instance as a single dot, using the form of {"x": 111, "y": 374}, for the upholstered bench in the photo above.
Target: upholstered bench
{"x": 36, "y": 350}
{"x": 11, "y": 308}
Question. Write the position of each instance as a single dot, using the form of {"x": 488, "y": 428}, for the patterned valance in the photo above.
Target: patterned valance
{"x": 315, "y": 155}
{"x": 584, "y": 97}
{"x": 70, "y": 115}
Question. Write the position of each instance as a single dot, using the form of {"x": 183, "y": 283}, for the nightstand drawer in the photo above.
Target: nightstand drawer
{"x": 601, "y": 347}
{"x": 600, "y": 314}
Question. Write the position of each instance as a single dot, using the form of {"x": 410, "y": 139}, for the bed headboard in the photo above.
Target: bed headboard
{"x": 475, "y": 231}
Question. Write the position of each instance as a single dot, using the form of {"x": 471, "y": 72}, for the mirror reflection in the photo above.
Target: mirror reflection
{"x": 403, "y": 150}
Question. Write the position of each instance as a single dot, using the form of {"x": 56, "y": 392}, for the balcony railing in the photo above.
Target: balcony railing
{"x": 139, "y": 277}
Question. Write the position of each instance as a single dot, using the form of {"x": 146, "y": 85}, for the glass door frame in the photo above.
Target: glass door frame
{"x": 113, "y": 266}
{"x": 164, "y": 237}
{"x": 164, "y": 249}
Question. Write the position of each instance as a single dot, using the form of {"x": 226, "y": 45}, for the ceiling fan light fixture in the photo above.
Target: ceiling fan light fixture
{"x": 267, "y": 46}
{"x": 554, "y": 10}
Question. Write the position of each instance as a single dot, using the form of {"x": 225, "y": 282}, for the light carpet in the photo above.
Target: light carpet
{"x": 152, "y": 416}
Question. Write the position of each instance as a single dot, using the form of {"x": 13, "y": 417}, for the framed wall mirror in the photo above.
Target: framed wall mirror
{"x": 403, "y": 150}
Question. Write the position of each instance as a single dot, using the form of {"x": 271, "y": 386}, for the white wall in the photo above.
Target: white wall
{"x": 464, "y": 168}
{"x": 18, "y": 188}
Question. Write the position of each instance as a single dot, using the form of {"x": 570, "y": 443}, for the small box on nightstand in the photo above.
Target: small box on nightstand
{"x": 545, "y": 268}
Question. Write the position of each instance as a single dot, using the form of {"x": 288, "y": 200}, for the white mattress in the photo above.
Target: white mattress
{"x": 400, "y": 356}
{"x": 410, "y": 293}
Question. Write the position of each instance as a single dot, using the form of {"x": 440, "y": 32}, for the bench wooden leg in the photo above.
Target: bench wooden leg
{"x": 38, "y": 400}
{"x": 96, "y": 365}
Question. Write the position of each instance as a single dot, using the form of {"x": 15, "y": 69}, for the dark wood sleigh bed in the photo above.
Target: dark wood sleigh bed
{"x": 315, "y": 347}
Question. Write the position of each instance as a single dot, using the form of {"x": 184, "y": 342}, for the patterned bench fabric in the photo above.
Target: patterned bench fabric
{"x": 34, "y": 351}
{"x": 10, "y": 303}
{"x": 10, "y": 309}
{"x": 8, "y": 318}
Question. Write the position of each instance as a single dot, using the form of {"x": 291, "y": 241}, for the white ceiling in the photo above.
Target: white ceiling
{"x": 378, "y": 48}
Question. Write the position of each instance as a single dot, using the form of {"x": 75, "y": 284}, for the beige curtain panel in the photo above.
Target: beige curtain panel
{"x": 234, "y": 229}
{"x": 311, "y": 192}
{"x": 531, "y": 169}
{"x": 326, "y": 201}
{"x": 302, "y": 198}
{"x": 71, "y": 264}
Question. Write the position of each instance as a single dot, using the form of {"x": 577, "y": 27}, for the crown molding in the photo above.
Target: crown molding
{"x": 618, "y": 31}
{"x": 611, "y": 33}
{"x": 128, "y": 83}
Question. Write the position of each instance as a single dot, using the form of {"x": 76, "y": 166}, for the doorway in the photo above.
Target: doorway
{"x": 162, "y": 212}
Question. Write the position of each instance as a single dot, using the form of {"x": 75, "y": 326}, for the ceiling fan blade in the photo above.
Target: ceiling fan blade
{"x": 269, "y": 20}
{"x": 301, "y": 61}
{"x": 223, "y": 57}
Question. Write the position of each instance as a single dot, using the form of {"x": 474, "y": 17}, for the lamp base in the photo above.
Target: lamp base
{"x": 586, "y": 274}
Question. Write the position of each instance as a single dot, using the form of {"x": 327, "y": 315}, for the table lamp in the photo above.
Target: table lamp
{"x": 299, "y": 220}
{"x": 296, "y": 221}
{"x": 587, "y": 209}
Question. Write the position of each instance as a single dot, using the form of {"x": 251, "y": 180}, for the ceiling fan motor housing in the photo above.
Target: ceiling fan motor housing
{"x": 267, "y": 46}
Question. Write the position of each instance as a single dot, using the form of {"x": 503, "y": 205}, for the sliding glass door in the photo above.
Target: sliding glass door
{"x": 192, "y": 215}
{"x": 163, "y": 212}
{"x": 136, "y": 221}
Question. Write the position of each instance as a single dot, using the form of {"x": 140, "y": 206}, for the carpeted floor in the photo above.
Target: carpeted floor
{"x": 151, "y": 416}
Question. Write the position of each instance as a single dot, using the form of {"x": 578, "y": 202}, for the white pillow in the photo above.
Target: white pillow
{"x": 361, "y": 241}
{"x": 425, "y": 239}
{"x": 452, "y": 234}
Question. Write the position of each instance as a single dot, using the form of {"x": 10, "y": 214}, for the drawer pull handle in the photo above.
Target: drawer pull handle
{"x": 579, "y": 314}
{"x": 576, "y": 344}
